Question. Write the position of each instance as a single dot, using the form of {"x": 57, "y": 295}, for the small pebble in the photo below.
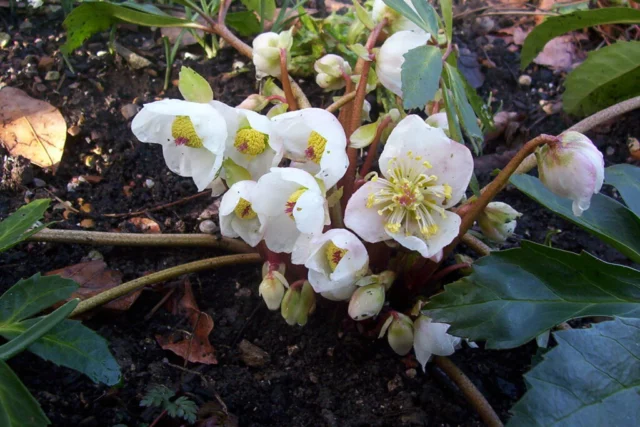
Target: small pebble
{"x": 411, "y": 373}
{"x": 149, "y": 183}
{"x": 524, "y": 80}
{"x": 94, "y": 255}
{"x": 52, "y": 76}
{"x": 208, "y": 227}
{"x": 252, "y": 355}
{"x": 610, "y": 151}
{"x": 129, "y": 111}
{"x": 39, "y": 183}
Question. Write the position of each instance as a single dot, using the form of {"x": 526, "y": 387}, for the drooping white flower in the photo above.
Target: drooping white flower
{"x": 293, "y": 204}
{"x": 266, "y": 52}
{"x": 423, "y": 174}
{"x": 314, "y": 138}
{"x": 397, "y": 22}
{"x": 391, "y": 57}
{"x": 572, "y": 168}
{"x": 271, "y": 289}
{"x": 432, "y": 339}
{"x": 498, "y": 221}
{"x": 192, "y": 136}
{"x": 336, "y": 260}
{"x": 237, "y": 217}
{"x": 331, "y": 72}
{"x": 399, "y": 329}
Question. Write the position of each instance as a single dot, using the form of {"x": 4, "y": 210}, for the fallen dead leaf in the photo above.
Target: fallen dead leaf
{"x": 86, "y": 223}
{"x": 92, "y": 179}
{"x": 215, "y": 414}
{"x": 146, "y": 225}
{"x": 195, "y": 347}
{"x": 505, "y": 123}
{"x": 94, "y": 277}
{"x": 561, "y": 53}
{"x": 252, "y": 355}
{"x": 31, "y": 128}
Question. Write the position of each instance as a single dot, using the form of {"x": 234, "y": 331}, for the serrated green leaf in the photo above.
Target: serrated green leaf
{"x": 14, "y": 228}
{"x": 428, "y": 14}
{"x": 513, "y": 296}
{"x": 591, "y": 378}
{"x": 447, "y": 14}
{"x": 37, "y": 330}
{"x": 92, "y": 17}
{"x": 452, "y": 116}
{"x": 193, "y": 87}
{"x": 608, "y": 76}
{"x": 73, "y": 345}
{"x": 607, "y": 219}
{"x": 626, "y": 179}
{"x": 466, "y": 115}
{"x": 245, "y": 23}
{"x": 31, "y": 296}
{"x": 555, "y": 26}
{"x": 420, "y": 75}
{"x": 18, "y": 407}
{"x": 405, "y": 10}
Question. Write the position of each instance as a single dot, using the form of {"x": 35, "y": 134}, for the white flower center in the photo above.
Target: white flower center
{"x": 409, "y": 196}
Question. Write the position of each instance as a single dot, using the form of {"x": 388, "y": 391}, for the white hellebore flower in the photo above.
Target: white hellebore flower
{"x": 397, "y": 22}
{"x": 423, "y": 174}
{"x": 237, "y": 217}
{"x": 266, "y": 52}
{"x": 498, "y": 221}
{"x": 332, "y": 71}
{"x": 293, "y": 204}
{"x": 336, "y": 260}
{"x": 391, "y": 57}
{"x": 431, "y": 338}
{"x": 572, "y": 168}
{"x": 316, "y": 138}
{"x": 192, "y": 136}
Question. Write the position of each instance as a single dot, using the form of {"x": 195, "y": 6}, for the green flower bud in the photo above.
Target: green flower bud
{"x": 366, "y": 301}
{"x": 399, "y": 328}
{"x": 298, "y": 303}
{"x": 498, "y": 221}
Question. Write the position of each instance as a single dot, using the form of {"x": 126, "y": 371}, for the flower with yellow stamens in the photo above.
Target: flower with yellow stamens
{"x": 314, "y": 139}
{"x": 237, "y": 217}
{"x": 192, "y": 136}
{"x": 423, "y": 173}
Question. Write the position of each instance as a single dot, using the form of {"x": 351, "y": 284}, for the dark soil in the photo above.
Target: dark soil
{"x": 327, "y": 373}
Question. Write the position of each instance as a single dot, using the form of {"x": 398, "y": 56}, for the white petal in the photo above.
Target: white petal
{"x": 249, "y": 230}
{"x": 391, "y": 57}
{"x": 301, "y": 249}
{"x": 269, "y": 196}
{"x": 448, "y": 229}
{"x": 309, "y": 213}
{"x": 432, "y": 338}
{"x": 364, "y": 221}
{"x": 341, "y": 294}
{"x": 280, "y": 233}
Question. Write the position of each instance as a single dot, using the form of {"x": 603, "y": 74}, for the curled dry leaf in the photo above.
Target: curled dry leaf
{"x": 195, "y": 347}
{"x": 31, "y": 128}
{"x": 561, "y": 53}
{"x": 94, "y": 277}
{"x": 146, "y": 225}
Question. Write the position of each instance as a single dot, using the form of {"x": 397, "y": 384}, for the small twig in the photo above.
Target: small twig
{"x": 518, "y": 12}
{"x": 239, "y": 335}
{"x": 471, "y": 393}
{"x": 373, "y": 148}
{"x": 159, "y": 304}
{"x": 158, "y": 418}
{"x": 159, "y": 207}
{"x": 475, "y": 244}
{"x": 286, "y": 81}
{"x": 136, "y": 239}
{"x": 204, "y": 379}
{"x": 341, "y": 102}
{"x": 162, "y": 276}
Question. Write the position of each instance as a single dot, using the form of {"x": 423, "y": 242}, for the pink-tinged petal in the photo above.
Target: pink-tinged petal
{"x": 364, "y": 221}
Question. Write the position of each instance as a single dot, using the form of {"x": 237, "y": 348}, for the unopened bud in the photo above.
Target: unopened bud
{"x": 400, "y": 333}
{"x": 271, "y": 289}
{"x": 269, "y": 266}
{"x": 386, "y": 279}
{"x": 298, "y": 303}
{"x": 266, "y": 52}
{"x": 366, "y": 301}
{"x": 498, "y": 221}
{"x": 331, "y": 70}
{"x": 254, "y": 102}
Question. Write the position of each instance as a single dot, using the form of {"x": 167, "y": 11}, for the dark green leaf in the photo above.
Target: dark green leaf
{"x": 607, "y": 219}
{"x": 475, "y": 185}
{"x": 479, "y": 106}
{"x": 31, "y": 296}
{"x": 14, "y": 228}
{"x": 606, "y": 77}
{"x": 557, "y": 25}
{"x": 447, "y": 14}
{"x": 626, "y": 179}
{"x": 466, "y": 115}
{"x": 427, "y": 14}
{"x": 420, "y": 75}
{"x": 18, "y": 408}
{"x": 93, "y": 17}
{"x": 245, "y": 23}
{"x": 405, "y": 10}
{"x": 452, "y": 117}
{"x": 75, "y": 346}
{"x": 37, "y": 330}
{"x": 591, "y": 378}
{"x": 513, "y": 296}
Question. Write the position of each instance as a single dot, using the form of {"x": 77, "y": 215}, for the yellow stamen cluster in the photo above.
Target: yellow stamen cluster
{"x": 250, "y": 141}
{"x": 243, "y": 210}
{"x": 315, "y": 147}
{"x": 184, "y": 133}
{"x": 292, "y": 200}
{"x": 409, "y": 197}
{"x": 334, "y": 254}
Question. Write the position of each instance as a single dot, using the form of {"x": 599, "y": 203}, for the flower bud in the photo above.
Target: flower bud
{"x": 254, "y": 102}
{"x": 391, "y": 57}
{"x": 331, "y": 70}
{"x": 271, "y": 289}
{"x": 399, "y": 328}
{"x": 266, "y": 52}
{"x": 366, "y": 301}
{"x": 298, "y": 303}
{"x": 498, "y": 221}
{"x": 386, "y": 279}
{"x": 572, "y": 168}
{"x": 439, "y": 120}
{"x": 268, "y": 267}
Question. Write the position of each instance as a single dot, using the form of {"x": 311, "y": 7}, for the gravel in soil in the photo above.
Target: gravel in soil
{"x": 327, "y": 373}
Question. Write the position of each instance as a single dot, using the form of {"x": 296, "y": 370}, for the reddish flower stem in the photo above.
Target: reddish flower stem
{"x": 276, "y": 98}
{"x": 373, "y": 148}
{"x": 442, "y": 273}
{"x": 286, "y": 82}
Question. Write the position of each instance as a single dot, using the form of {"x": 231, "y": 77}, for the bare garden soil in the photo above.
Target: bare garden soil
{"x": 327, "y": 373}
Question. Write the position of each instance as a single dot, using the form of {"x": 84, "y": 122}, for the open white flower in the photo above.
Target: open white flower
{"x": 397, "y": 22}
{"x": 316, "y": 139}
{"x": 266, "y": 52}
{"x": 293, "y": 204}
{"x": 423, "y": 174}
{"x": 572, "y": 168}
{"x": 192, "y": 136}
{"x": 237, "y": 217}
{"x": 431, "y": 338}
{"x": 336, "y": 260}
{"x": 391, "y": 57}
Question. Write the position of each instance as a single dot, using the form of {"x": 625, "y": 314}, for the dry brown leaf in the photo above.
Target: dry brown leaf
{"x": 195, "y": 347}
{"x": 94, "y": 277}
{"x": 146, "y": 225}
{"x": 561, "y": 53}
{"x": 31, "y": 128}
